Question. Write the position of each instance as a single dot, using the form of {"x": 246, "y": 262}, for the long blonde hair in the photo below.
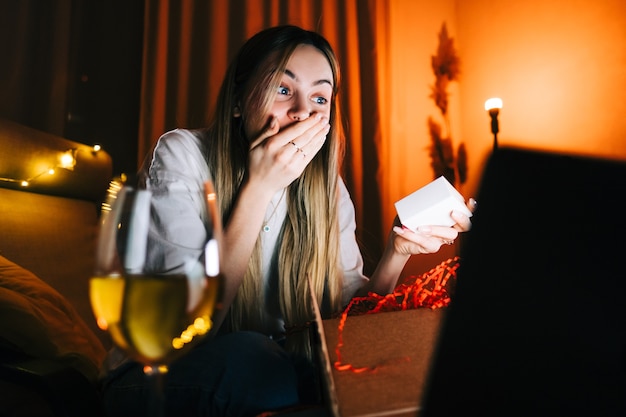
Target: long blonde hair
{"x": 309, "y": 248}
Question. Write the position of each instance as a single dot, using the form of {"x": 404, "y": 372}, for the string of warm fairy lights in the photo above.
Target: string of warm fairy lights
{"x": 67, "y": 160}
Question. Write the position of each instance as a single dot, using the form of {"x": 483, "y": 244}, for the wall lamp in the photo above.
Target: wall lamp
{"x": 493, "y": 106}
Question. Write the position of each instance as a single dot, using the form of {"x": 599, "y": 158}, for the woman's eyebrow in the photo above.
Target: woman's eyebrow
{"x": 318, "y": 82}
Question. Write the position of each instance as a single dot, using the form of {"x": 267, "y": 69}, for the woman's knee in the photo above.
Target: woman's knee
{"x": 240, "y": 373}
{"x": 254, "y": 371}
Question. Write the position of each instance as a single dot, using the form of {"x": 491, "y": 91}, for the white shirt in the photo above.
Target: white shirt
{"x": 178, "y": 160}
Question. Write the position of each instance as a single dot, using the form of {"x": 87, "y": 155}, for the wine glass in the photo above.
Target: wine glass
{"x": 157, "y": 282}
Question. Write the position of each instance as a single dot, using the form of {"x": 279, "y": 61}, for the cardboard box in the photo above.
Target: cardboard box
{"x": 399, "y": 343}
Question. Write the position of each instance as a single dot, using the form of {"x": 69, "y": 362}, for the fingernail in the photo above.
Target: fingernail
{"x": 398, "y": 230}
{"x": 424, "y": 229}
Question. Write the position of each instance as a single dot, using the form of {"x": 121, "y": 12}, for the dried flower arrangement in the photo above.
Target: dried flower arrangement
{"x": 446, "y": 67}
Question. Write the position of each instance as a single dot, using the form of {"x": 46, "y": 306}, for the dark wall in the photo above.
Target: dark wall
{"x": 73, "y": 68}
{"x": 105, "y": 81}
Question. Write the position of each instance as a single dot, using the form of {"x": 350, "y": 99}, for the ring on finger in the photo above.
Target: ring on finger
{"x": 303, "y": 154}
{"x": 448, "y": 242}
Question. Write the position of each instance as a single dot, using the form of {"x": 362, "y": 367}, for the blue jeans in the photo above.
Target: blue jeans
{"x": 236, "y": 374}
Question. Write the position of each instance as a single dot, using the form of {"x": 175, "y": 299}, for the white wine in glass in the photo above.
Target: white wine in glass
{"x": 157, "y": 281}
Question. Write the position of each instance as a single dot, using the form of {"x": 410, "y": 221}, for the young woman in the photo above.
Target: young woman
{"x": 274, "y": 151}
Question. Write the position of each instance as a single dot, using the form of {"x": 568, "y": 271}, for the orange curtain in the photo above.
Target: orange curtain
{"x": 188, "y": 45}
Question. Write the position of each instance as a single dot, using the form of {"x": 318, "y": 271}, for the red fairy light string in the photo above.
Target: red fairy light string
{"x": 428, "y": 290}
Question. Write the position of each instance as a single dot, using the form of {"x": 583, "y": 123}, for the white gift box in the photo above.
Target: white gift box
{"x": 431, "y": 205}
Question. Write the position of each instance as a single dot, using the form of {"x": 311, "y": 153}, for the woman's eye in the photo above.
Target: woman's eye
{"x": 283, "y": 90}
{"x": 320, "y": 100}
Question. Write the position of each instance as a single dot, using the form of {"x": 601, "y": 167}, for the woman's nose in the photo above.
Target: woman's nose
{"x": 300, "y": 110}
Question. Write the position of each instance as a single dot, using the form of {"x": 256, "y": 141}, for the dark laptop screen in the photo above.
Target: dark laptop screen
{"x": 537, "y": 324}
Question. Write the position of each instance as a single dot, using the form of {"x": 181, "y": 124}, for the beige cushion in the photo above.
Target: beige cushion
{"x": 40, "y": 322}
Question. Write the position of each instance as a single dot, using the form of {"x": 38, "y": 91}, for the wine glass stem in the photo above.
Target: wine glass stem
{"x": 156, "y": 385}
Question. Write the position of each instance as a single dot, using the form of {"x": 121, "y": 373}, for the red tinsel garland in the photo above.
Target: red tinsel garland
{"x": 428, "y": 290}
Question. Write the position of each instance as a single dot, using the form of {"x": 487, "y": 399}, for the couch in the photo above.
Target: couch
{"x": 50, "y": 347}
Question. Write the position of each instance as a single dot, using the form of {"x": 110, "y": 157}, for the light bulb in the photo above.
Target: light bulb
{"x": 67, "y": 160}
{"x": 493, "y": 103}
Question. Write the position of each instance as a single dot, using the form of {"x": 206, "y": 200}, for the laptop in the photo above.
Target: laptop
{"x": 537, "y": 323}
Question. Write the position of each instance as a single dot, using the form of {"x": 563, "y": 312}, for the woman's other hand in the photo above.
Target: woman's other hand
{"x": 429, "y": 239}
